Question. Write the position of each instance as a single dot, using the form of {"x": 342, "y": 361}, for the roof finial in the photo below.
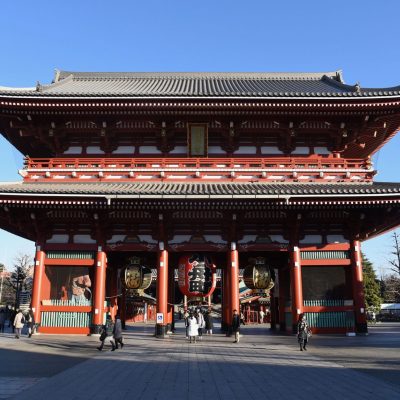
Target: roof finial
{"x": 56, "y": 75}
{"x": 38, "y": 86}
{"x": 357, "y": 87}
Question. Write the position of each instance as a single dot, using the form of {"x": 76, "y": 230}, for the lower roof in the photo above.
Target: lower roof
{"x": 199, "y": 190}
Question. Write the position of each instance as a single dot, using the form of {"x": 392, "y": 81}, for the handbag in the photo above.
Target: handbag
{"x": 309, "y": 333}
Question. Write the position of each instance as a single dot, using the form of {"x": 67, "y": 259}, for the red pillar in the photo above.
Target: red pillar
{"x": 171, "y": 299}
{"x": 114, "y": 293}
{"x": 282, "y": 277}
{"x": 297, "y": 286}
{"x": 358, "y": 288}
{"x": 225, "y": 298}
{"x": 162, "y": 290}
{"x": 233, "y": 269}
{"x": 100, "y": 290}
{"x": 37, "y": 284}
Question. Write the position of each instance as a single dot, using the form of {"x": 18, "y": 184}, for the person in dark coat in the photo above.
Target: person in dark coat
{"x": 236, "y": 325}
{"x": 106, "y": 334}
{"x": 302, "y": 332}
{"x": 117, "y": 332}
{"x": 208, "y": 319}
{"x": 30, "y": 320}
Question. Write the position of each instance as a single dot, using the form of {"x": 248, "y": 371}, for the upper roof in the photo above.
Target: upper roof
{"x": 202, "y": 190}
{"x": 197, "y": 84}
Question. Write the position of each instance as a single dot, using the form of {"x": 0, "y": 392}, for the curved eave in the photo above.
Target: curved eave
{"x": 333, "y": 97}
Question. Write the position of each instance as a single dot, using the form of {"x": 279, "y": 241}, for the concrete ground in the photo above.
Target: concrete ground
{"x": 261, "y": 366}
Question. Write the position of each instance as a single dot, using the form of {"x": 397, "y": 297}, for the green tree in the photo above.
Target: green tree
{"x": 371, "y": 286}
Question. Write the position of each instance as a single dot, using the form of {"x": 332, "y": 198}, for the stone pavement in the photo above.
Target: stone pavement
{"x": 261, "y": 366}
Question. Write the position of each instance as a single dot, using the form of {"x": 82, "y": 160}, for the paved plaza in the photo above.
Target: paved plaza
{"x": 261, "y": 366}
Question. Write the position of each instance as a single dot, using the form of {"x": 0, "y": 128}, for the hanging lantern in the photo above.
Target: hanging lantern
{"x": 257, "y": 275}
{"x": 136, "y": 276}
{"x": 196, "y": 275}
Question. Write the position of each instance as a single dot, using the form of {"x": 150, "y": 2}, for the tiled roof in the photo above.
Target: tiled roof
{"x": 209, "y": 190}
{"x": 198, "y": 84}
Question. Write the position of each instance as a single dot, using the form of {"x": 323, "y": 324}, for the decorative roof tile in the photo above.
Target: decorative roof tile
{"x": 211, "y": 190}
{"x": 197, "y": 84}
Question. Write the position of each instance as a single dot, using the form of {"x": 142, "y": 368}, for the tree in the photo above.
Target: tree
{"x": 395, "y": 262}
{"x": 371, "y": 286}
{"x": 390, "y": 289}
{"x": 20, "y": 278}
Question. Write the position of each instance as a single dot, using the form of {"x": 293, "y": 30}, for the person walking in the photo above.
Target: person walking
{"x": 117, "y": 332}
{"x": 19, "y": 321}
{"x": 2, "y": 320}
{"x": 303, "y": 332}
{"x": 30, "y": 320}
{"x": 201, "y": 323}
{"x": 236, "y": 325}
{"x": 262, "y": 315}
{"x": 193, "y": 328}
{"x": 186, "y": 321}
{"x": 107, "y": 334}
{"x": 208, "y": 319}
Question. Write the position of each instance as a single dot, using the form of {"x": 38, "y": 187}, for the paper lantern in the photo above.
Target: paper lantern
{"x": 196, "y": 275}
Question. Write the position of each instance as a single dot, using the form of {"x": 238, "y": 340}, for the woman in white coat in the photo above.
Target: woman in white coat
{"x": 18, "y": 323}
{"x": 193, "y": 328}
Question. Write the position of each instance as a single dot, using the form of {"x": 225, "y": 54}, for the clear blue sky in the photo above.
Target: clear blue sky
{"x": 361, "y": 37}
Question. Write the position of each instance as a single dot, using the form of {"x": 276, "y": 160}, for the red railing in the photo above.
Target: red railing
{"x": 197, "y": 163}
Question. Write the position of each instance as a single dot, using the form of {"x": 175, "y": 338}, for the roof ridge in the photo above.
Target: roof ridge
{"x": 203, "y": 75}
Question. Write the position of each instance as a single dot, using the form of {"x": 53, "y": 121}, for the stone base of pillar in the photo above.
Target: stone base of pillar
{"x": 95, "y": 329}
{"x": 361, "y": 328}
{"x": 161, "y": 331}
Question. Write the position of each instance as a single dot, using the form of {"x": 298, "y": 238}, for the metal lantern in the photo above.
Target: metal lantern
{"x": 136, "y": 276}
{"x": 196, "y": 275}
{"x": 257, "y": 275}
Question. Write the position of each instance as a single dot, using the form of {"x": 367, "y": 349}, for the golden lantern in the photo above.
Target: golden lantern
{"x": 258, "y": 275}
{"x": 136, "y": 276}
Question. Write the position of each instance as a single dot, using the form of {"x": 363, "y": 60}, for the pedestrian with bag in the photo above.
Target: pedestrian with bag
{"x": 303, "y": 332}
{"x": 30, "y": 321}
{"x": 106, "y": 334}
{"x": 208, "y": 319}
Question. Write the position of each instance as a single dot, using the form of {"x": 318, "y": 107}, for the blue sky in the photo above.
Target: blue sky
{"x": 360, "y": 37}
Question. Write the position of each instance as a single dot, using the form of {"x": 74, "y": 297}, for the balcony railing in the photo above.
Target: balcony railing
{"x": 274, "y": 169}
{"x": 196, "y": 163}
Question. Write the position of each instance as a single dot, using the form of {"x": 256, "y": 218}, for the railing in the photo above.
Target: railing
{"x": 66, "y": 319}
{"x": 341, "y": 319}
{"x": 197, "y": 163}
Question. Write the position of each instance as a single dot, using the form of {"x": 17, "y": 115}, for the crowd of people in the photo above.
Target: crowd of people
{"x": 17, "y": 320}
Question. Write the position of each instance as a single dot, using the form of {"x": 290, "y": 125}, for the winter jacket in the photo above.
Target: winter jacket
{"x": 18, "y": 320}
{"x": 193, "y": 327}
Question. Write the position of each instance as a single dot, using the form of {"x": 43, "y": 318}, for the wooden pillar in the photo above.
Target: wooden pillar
{"x": 296, "y": 285}
{"x": 225, "y": 299}
{"x": 162, "y": 290}
{"x": 114, "y": 293}
{"x": 283, "y": 284}
{"x": 233, "y": 282}
{"x": 272, "y": 308}
{"x": 122, "y": 308}
{"x": 171, "y": 299}
{"x": 358, "y": 288}
{"x": 100, "y": 290}
{"x": 37, "y": 284}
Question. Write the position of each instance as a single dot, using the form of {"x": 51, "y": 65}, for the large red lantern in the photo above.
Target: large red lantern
{"x": 196, "y": 276}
